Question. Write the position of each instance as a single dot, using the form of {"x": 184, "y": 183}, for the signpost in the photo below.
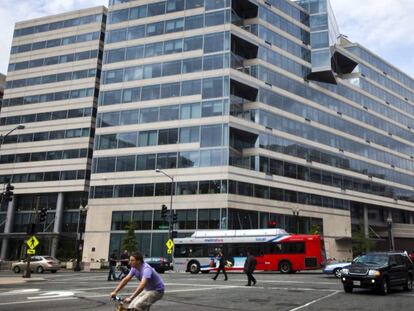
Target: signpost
{"x": 170, "y": 245}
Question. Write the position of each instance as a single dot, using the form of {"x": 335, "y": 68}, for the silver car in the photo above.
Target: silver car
{"x": 38, "y": 264}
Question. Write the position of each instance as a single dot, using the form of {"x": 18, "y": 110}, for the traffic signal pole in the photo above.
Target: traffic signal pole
{"x": 30, "y": 233}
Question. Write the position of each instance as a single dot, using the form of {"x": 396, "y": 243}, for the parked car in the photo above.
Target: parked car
{"x": 335, "y": 268}
{"x": 379, "y": 271}
{"x": 38, "y": 264}
{"x": 160, "y": 264}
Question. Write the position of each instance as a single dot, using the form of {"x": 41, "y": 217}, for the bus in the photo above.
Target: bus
{"x": 274, "y": 249}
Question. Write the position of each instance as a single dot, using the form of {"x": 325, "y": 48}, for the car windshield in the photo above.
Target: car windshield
{"x": 372, "y": 259}
{"x": 49, "y": 258}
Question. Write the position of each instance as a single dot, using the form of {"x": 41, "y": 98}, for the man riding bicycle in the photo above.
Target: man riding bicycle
{"x": 150, "y": 289}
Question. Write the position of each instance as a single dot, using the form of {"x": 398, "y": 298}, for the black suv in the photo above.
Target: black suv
{"x": 379, "y": 271}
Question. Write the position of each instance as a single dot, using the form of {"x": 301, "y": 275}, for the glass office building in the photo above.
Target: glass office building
{"x": 261, "y": 112}
{"x": 52, "y": 89}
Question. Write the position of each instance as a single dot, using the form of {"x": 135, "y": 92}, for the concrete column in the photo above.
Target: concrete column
{"x": 57, "y": 227}
{"x": 8, "y": 228}
{"x": 411, "y": 218}
{"x": 366, "y": 222}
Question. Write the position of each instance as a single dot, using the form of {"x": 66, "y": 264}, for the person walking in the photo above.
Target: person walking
{"x": 221, "y": 267}
{"x": 112, "y": 266}
{"x": 124, "y": 265}
{"x": 150, "y": 289}
{"x": 249, "y": 267}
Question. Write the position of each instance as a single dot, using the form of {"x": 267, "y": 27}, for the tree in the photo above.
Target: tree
{"x": 361, "y": 243}
{"x": 315, "y": 229}
{"x": 129, "y": 242}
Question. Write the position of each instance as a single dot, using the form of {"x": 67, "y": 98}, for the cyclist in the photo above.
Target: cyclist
{"x": 150, "y": 289}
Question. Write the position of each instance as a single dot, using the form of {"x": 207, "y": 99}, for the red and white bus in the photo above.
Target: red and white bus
{"x": 275, "y": 250}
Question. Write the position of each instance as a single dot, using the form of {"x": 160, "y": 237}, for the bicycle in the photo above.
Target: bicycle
{"x": 120, "y": 305}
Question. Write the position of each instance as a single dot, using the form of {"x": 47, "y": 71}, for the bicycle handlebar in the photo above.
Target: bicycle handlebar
{"x": 118, "y": 299}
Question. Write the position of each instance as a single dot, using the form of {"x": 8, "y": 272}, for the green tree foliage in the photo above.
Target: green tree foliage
{"x": 361, "y": 243}
{"x": 315, "y": 229}
{"x": 129, "y": 242}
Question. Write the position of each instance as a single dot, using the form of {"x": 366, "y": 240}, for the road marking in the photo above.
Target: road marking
{"x": 53, "y": 295}
{"x": 20, "y": 291}
{"x": 271, "y": 281}
{"x": 314, "y": 301}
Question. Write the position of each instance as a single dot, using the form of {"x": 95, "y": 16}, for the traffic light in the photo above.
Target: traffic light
{"x": 43, "y": 214}
{"x": 8, "y": 194}
{"x": 174, "y": 219}
{"x": 164, "y": 210}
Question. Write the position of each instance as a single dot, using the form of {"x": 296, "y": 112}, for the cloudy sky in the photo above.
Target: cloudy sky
{"x": 384, "y": 26}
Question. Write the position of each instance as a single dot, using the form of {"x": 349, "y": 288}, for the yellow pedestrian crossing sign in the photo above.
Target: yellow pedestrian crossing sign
{"x": 31, "y": 251}
{"x": 32, "y": 242}
{"x": 170, "y": 245}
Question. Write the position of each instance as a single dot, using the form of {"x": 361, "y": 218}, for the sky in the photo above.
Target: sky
{"x": 383, "y": 26}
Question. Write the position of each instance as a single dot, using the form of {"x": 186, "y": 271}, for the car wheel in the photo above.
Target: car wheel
{"x": 194, "y": 267}
{"x": 54, "y": 271}
{"x": 409, "y": 285}
{"x": 337, "y": 272}
{"x": 40, "y": 269}
{"x": 384, "y": 287}
{"x": 285, "y": 267}
{"x": 348, "y": 289}
{"x": 16, "y": 269}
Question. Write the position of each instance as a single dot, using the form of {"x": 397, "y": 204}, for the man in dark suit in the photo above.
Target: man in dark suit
{"x": 222, "y": 265}
{"x": 249, "y": 267}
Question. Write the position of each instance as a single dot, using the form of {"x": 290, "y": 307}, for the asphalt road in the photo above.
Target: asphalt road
{"x": 185, "y": 292}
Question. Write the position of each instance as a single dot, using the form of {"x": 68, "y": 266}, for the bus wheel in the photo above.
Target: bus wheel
{"x": 194, "y": 267}
{"x": 285, "y": 267}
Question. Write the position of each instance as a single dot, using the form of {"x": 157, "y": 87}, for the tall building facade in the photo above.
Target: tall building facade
{"x": 260, "y": 111}
{"x": 52, "y": 89}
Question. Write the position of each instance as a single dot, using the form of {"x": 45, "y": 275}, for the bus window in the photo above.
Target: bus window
{"x": 214, "y": 249}
{"x": 180, "y": 251}
{"x": 195, "y": 251}
{"x": 294, "y": 248}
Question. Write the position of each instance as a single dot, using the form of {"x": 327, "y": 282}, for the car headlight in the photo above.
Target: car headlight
{"x": 345, "y": 271}
{"x": 374, "y": 273}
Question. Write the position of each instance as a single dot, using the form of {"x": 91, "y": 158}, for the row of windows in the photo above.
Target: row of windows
{"x": 42, "y": 136}
{"x": 342, "y": 125}
{"x": 207, "y": 135}
{"x": 327, "y": 138}
{"x": 164, "y": 7}
{"x": 49, "y": 97}
{"x": 231, "y": 186}
{"x": 45, "y": 176}
{"x": 53, "y": 60}
{"x": 276, "y": 167}
{"x": 57, "y": 42}
{"x": 283, "y": 24}
{"x": 164, "y": 113}
{"x": 287, "y": 7}
{"x": 385, "y": 81}
{"x": 178, "y": 67}
{"x": 71, "y": 200}
{"x": 281, "y": 42}
{"x": 283, "y": 62}
{"x": 84, "y": 20}
{"x": 44, "y": 156}
{"x": 386, "y": 96}
{"x": 169, "y": 26}
{"x": 149, "y": 162}
{"x": 47, "y": 116}
{"x": 212, "y": 43}
{"x": 271, "y": 98}
{"x": 59, "y": 77}
{"x": 209, "y": 88}
{"x": 381, "y": 65}
{"x": 309, "y": 153}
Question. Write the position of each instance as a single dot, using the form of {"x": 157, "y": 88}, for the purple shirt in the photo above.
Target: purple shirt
{"x": 154, "y": 281}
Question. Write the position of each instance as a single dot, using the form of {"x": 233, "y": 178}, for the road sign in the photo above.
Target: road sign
{"x": 169, "y": 251}
{"x": 32, "y": 242}
{"x": 170, "y": 244}
{"x": 31, "y": 251}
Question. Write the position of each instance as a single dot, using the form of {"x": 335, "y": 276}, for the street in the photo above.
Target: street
{"x": 301, "y": 291}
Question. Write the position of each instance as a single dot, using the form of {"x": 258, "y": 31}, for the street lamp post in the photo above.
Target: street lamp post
{"x": 390, "y": 235}
{"x": 170, "y": 223}
{"x": 79, "y": 232}
{"x": 3, "y": 137}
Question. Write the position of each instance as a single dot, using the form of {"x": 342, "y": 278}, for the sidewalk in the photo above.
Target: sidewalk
{"x": 19, "y": 280}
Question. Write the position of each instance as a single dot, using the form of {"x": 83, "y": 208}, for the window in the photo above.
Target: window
{"x": 131, "y": 95}
{"x": 173, "y": 46}
{"x": 105, "y": 165}
{"x": 193, "y": 43}
{"x": 192, "y": 65}
{"x": 174, "y": 25}
{"x": 127, "y": 140}
{"x": 212, "y": 87}
{"x": 153, "y": 49}
{"x": 188, "y": 159}
{"x": 136, "y": 32}
{"x": 211, "y": 135}
{"x": 148, "y": 115}
{"x": 169, "y": 113}
{"x": 189, "y": 134}
{"x": 167, "y": 160}
{"x": 138, "y": 12}
{"x": 107, "y": 142}
{"x": 214, "y": 42}
{"x": 211, "y": 158}
{"x": 121, "y": 191}
{"x": 126, "y": 163}
{"x": 193, "y": 4}
{"x": 213, "y": 62}
{"x": 134, "y": 52}
{"x": 170, "y": 90}
{"x": 147, "y": 138}
{"x": 167, "y": 136}
{"x": 192, "y": 87}
{"x": 210, "y": 186}
{"x": 194, "y": 22}
{"x": 175, "y": 5}
{"x": 171, "y": 68}
{"x": 156, "y": 9}
{"x": 145, "y": 162}
{"x": 215, "y": 4}
{"x": 212, "y": 108}
{"x": 186, "y": 188}
{"x": 215, "y": 18}
{"x": 144, "y": 190}
{"x": 129, "y": 117}
{"x": 190, "y": 111}
{"x": 155, "y": 29}
{"x": 151, "y": 92}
